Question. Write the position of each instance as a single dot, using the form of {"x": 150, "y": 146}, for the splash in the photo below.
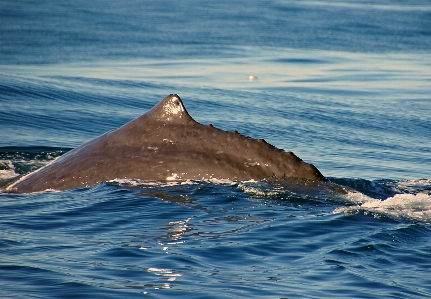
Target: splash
{"x": 415, "y": 207}
{"x": 18, "y": 161}
{"x": 149, "y": 183}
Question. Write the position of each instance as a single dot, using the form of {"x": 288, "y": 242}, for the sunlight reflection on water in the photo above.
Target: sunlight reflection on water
{"x": 288, "y": 69}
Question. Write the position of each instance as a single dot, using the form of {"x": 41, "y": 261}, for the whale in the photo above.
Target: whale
{"x": 165, "y": 144}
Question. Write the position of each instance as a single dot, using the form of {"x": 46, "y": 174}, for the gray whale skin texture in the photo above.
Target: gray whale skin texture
{"x": 166, "y": 143}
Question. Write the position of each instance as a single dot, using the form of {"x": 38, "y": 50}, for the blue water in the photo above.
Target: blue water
{"x": 345, "y": 85}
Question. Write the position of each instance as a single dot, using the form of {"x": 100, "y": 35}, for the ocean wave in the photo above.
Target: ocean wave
{"x": 414, "y": 207}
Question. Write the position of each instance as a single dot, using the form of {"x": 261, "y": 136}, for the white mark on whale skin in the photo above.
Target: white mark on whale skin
{"x": 247, "y": 164}
{"x": 173, "y": 107}
{"x": 168, "y": 140}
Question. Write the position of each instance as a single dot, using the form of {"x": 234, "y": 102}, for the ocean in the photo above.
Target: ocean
{"x": 345, "y": 85}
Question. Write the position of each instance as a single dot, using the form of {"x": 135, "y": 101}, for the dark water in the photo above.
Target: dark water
{"x": 345, "y": 85}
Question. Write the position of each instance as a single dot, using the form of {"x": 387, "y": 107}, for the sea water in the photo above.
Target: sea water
{"x": 345, "y": 85}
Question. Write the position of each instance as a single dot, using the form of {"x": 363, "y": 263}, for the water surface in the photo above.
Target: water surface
{"x": 344, "y": 85}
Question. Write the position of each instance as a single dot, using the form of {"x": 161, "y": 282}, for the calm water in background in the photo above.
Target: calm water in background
{"x": 344, "y": 85}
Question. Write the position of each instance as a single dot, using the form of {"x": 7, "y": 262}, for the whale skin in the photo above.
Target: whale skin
{"x": 166, "y": 143}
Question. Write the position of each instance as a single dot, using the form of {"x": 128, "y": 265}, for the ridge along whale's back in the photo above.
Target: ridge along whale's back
{"x": 166, "y": 143}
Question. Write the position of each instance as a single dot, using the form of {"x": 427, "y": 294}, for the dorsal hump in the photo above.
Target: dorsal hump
{"x": 170, "y": 110}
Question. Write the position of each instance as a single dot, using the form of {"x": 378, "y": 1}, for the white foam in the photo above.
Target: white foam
{"x": 8, "y": 174}
{"x": 401, "y": 206}
{"x": 150, "y": 183}
{"x": 222, "y": 181}
{"x": 260, "y": 189}
{"x": 358, "y": 198}
{"x": 410, "y": 186}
